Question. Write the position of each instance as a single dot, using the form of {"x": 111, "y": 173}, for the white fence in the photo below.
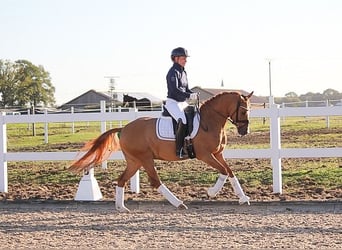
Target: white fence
{"x": 275, "y": 152}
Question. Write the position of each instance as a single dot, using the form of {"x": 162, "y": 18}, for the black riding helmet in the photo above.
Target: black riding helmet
{"x": 179, "y": 52}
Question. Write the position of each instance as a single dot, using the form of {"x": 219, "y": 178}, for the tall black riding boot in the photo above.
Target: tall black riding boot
{"x": 180, "y": 135}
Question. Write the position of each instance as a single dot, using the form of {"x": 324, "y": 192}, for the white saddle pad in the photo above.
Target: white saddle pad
{"x": 164, "y": 128}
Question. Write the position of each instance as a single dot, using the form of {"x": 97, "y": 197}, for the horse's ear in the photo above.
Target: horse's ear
{"x": 250, "y": 94}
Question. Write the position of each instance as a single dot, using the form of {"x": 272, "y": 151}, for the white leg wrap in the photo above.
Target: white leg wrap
{"x": 221, "y": 180}
{"x": 238, "y": 190}
{"x": 169, "y": 195}
{"x": 119, "y": 199}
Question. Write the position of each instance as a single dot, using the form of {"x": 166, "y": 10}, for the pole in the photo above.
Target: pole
{"x": 269, "y": 76}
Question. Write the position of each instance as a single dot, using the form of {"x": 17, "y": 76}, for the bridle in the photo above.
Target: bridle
{"x": 245, "y": 122}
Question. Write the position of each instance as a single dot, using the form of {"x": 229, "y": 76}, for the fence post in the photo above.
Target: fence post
{"x": 73, "y": 123}
{"x": 120, "y": 122}
{"x": 275, "y": 146}
{"x": 3, "y": 151}
{"x": 134, "y": 105}
{"x": 29, "y": 124}
{"x": 135, "y": 179}
{"x": 327, "y": 118}
{"x": 110, "y": 122}
{"x": 103, "y": 127}
{"x": 46, "y": 128}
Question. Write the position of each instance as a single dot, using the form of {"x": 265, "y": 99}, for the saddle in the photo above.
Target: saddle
{"x": 189, "y": 112}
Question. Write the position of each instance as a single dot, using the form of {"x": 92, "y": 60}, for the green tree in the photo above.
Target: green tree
{"x": 291, "y": 95}
{"x": 311, "y": 97}
{"x": 291, "y": 99}
{"x": 23, "y": 83}
{"x": 331, "y": 94}
{"x": 35, "y": 87}
{"x": 9, "y": 78}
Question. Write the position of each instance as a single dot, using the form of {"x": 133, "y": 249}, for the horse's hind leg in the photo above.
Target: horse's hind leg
{"x": 162, "y": 189}
{"x": 130, "y": 170}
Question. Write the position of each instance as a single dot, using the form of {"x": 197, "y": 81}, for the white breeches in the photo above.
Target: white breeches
{"x": 176, "y": 109}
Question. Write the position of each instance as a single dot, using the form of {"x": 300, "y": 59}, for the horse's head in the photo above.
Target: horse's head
{"x": 240, "y": 117}
{"x": 128, "y": 100}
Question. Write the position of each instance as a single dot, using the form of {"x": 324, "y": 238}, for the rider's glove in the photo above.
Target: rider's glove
{"x": 193, "y": 96}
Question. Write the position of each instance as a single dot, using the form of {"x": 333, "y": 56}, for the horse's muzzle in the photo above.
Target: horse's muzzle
{"x": 243, "y": 130}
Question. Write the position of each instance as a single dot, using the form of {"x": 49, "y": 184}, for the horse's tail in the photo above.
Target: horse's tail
{"x": 98, "y": 150}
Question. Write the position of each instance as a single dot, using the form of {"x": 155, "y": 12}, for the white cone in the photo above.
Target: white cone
{"x": 88, "y": 188}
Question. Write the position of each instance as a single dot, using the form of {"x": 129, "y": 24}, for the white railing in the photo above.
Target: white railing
{"x": 275, "y": 152}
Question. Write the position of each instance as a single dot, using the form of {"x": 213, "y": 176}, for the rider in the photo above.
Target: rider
{"x": 177, "y": 93}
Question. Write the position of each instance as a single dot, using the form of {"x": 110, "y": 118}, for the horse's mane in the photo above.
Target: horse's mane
{"x": 218, "y": 96}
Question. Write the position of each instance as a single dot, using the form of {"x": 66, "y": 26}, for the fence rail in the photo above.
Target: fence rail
{"x": 275, "y": 152}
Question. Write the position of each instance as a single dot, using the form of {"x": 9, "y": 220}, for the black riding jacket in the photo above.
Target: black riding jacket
{"x": 177, "y": 83}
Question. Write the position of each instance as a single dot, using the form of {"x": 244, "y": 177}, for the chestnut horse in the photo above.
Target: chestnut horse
{"x": 140, "y": 146}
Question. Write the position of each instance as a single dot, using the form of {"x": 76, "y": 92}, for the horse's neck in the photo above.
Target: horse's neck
{"x": 217, "y": 110}
{"x": 132, "y": 99}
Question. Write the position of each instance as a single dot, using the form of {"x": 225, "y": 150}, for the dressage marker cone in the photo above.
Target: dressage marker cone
{"x": 88, "y": 189}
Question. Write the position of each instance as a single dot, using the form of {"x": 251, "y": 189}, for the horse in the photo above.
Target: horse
{"x": 142, "y": 104}
{"x": 140, "y": 146}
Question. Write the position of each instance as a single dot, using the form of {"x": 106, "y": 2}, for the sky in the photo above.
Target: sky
{"x": 82, "y": 42}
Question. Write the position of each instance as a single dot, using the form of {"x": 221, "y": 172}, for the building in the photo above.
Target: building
{"x": 91, "y": 99}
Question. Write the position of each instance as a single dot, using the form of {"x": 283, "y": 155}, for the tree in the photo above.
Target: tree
{"x": 9, "y": 78}
{"x": 290, "y": 98}
{"x": 35, "y": 85}
{"x": 312, "y": 97}
{"x": 331, "y": 94}
{"x": 291, "y": 95}
{"x": 23, "y": 83}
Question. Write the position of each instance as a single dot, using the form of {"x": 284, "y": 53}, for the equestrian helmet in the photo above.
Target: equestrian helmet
{"x": 179, "y": 52}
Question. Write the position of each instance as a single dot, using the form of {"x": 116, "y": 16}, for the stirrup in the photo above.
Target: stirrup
{"x": 181, "y": 154}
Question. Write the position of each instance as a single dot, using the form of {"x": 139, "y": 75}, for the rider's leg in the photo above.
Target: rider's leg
{"x": 180, "y": 135}
{"x": 176, "y": 109}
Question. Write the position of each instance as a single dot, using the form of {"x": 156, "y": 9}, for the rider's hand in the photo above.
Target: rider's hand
{"x": 193, "y": 96}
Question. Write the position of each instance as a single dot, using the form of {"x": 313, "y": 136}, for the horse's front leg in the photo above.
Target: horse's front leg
{"x": 211, "y": 160}
{"x": 171, "y": 197}
{"x": 233, "y": 180}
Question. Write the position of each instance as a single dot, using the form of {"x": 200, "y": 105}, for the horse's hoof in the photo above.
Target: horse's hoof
{"x": 182, "y": 207}
{"x": 123, "y": 209}
{"x": 244, "y": 199}
{"x": 211, "y": 192}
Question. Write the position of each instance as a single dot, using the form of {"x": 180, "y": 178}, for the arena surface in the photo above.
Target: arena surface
{"x": 156, "y": 224}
